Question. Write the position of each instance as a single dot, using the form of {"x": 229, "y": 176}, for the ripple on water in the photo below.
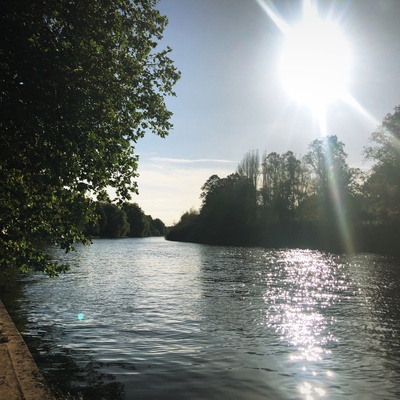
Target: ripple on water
{"x": 179, "y": 320}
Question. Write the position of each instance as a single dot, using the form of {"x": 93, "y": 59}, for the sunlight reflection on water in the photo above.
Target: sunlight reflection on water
{"x": 300, "y": 286}
{"x": 174, "y": 321}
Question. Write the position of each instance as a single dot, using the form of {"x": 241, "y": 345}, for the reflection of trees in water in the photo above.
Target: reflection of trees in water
{"x": 10, "y": 293}
{"x": 72, "y": 374}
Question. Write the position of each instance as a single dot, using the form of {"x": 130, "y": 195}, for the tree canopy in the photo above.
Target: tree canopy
{"x": 318, "y": 201}
{"x": 81, "y": 82}
{"x": 126, "y": 220}
{"x": 383, "y": 183}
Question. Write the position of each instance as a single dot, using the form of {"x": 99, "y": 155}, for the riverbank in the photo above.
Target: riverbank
{"x": 20, "y": 378}
{"x": 315, "y": 235}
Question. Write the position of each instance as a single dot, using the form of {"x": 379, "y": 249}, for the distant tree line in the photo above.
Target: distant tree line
{"x": 127, "y": 220}
{"x": 318, "y": 201}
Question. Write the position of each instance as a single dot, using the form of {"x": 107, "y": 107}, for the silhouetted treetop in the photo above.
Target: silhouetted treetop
{"x": 318, "y": 201}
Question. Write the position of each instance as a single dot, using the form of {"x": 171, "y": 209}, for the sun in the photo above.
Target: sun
{"x": 315, "y": 62}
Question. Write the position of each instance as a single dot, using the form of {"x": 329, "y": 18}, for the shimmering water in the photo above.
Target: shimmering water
{"x": 151, "y": 319}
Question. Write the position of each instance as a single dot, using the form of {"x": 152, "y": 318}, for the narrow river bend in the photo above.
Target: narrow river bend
{"x": 152, "y": 319}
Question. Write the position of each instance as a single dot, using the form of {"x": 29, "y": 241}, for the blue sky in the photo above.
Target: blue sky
{"x": 230, "y": 98}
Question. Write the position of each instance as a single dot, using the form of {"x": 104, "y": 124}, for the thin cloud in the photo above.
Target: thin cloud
{"x": 188, "y": 161}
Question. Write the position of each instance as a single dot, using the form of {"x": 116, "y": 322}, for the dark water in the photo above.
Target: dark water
{"x": 151, "y": 319}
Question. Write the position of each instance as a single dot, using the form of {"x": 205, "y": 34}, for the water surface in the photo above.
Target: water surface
{"x": 151, "y": 319}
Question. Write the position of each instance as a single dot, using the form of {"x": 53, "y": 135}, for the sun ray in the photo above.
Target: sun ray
{"x": 269, "y": 8}
{"x": 351, "y": 101}
{"x": 315, "y": 66}
{"x": 340, "y": 210}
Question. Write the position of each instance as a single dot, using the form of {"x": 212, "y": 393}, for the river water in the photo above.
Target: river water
{"x": 152, "y": 319}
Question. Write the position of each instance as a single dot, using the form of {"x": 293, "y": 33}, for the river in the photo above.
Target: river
{"x": 152, "y": 319}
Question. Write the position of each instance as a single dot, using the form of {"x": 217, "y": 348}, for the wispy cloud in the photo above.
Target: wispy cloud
{"x": 190, "y": 161}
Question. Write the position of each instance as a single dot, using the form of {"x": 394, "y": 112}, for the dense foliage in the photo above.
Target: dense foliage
{"x": 81, "y": 82}
{"x": 315, "y": 202}
{"x": 382, "y": 188}
{"x": 128, "y": 220}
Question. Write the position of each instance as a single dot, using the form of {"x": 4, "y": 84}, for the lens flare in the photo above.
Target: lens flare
{"x": 316, "y": 65}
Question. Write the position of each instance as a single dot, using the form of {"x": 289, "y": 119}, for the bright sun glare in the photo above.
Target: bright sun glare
{"x": 315, "y": 61}
{"x": 315, "y": 68}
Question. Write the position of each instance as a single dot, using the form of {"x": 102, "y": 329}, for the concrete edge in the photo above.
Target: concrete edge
{"x": 21, "y": 371}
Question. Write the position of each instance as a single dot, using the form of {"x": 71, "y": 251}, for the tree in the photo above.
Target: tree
{"x": 136, "y": 219}
{"x": 272, "y": 183}
{"x": 159, "y": 227}
{"x": 187, "y": 227}
{"x": 228, "y": 210}
{"x": 81, "y": 82}
{"x": 333, "y": 178}
{"x": 284, "y": 185}
{"x": 383, "y": 184}
{"x": 331, "y": 206}
{"x": 115, "y": 224}
{"x": 249, "y": 167}
{"x": 153, "y": 227}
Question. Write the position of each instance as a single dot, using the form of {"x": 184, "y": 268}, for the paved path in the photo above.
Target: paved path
{"x": 20, "y": 378}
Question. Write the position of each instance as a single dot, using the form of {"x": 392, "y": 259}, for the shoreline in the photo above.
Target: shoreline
{"x": 20, "y": 378}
